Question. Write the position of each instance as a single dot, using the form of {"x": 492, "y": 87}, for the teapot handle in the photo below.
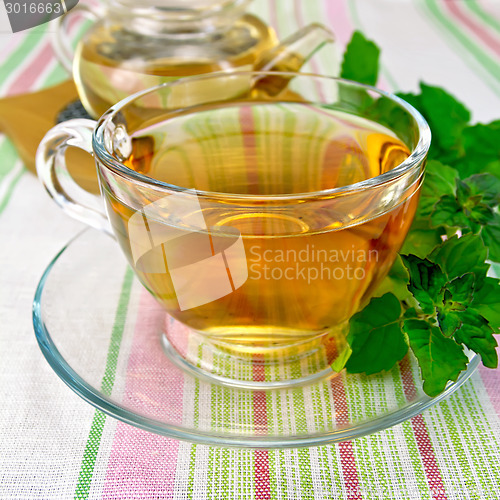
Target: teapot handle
{"x": 61, "y": 41}
{"x": 297, "y": 49}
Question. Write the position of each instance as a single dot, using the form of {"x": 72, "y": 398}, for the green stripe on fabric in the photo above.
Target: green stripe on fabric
{"x": 305, "y": 481}
{"x": 372, "y": 468}
{"x": 451, "y": 439}
{"x": 218, "y": 473}
{"x": 322, "y": 403}
{"x": 57, "y": 75}
{"x": 374, "y": 462}
{"x": 301, "y": 479}
{"x": 192, "y": 471}
{"x": 489, "y": 65}
{"x": 32, "y": 39}
{"x": 108, "y": 379}
{"x": 10, "y": 190}
{"x": 90, "y": 456}
{"x": 19, "y": 55}
{"x": 376, "y": 442}
{"x": 474, "y": 448}
{"x": 219, "y": 461}
{"x": 485, "y": 17}
{"x": 97, "y": 427}
{"x": 196, "y": 423}
{"x": 480, "y": 434}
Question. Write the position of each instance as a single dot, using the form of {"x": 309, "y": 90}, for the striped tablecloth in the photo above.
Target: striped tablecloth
{"x": 53, "y": 445}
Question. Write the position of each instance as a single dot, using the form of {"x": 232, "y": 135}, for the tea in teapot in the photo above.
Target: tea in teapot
{"x": 132, "y": 47}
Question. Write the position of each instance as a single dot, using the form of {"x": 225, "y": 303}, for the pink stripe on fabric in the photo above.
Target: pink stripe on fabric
{"x": 490, "y": 8}
{"x": 342, "y": 26}
{"x": 347, "y": 459}
{"x": 143, "y": 464}
{"x": 488, "y": 40}
{"x": 262, "y": 481}
{"x": 424, "y": 444}
{"x": 247, "y": 123}
{"x": 340, "y": 22}
{"x": 24, "y": 82}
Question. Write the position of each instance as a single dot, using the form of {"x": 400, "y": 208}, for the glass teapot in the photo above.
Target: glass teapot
{"x": 132, "y": 46}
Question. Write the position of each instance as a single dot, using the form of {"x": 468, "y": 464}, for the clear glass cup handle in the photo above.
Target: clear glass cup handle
{"x": 53, "y": 172}
{"x": 60, "y": 37}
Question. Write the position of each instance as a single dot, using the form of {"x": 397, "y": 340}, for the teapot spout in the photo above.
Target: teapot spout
{"x": 296, "y": 50}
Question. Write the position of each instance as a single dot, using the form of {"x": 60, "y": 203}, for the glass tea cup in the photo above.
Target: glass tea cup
{"x": 261, "y": 221}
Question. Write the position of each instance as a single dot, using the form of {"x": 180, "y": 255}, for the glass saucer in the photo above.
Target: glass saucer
{"x": 104, "y": 336}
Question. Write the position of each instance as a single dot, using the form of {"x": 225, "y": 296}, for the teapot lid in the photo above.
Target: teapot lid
{"x": 180, "y": 16}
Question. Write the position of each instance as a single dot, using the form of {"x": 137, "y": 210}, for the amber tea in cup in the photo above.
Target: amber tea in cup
{"x": 261, "y": 225}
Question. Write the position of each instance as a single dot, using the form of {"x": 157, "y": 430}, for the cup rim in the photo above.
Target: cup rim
{"x": 415, "y": 158}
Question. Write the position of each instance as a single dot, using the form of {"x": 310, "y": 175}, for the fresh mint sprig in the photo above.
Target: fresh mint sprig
{"x": 437, "y": 299}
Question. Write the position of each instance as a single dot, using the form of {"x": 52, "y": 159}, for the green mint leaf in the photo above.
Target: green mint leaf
{"x": 461, "y": 289}
{"x": 361, "y": 60}
{"x": 483, "y": 138}
{"x": 375, "y": 336}
{"x": 491, "y": 237}
{"x": 453, "y": 301}
{"x": 458, "y": 256}
{"x": 486, "y": 186}
{"x": 447, "y": 119}
{"x": 448, "y": 212}
{"x": 426, "y": 282}
{"x": 440, "y": 358}
{"x": 486, "y": 301}
{"x": 440, "y": 180}
{"x": 457, "y": 296}
{"x": 413, "y": 99}
{"x": 477, "y": 335}
{"x": 411, "y": 313}
{"x": 449, "y": 322}
{"x": 471, "y": 207}
{"x": 481, "y": 144}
